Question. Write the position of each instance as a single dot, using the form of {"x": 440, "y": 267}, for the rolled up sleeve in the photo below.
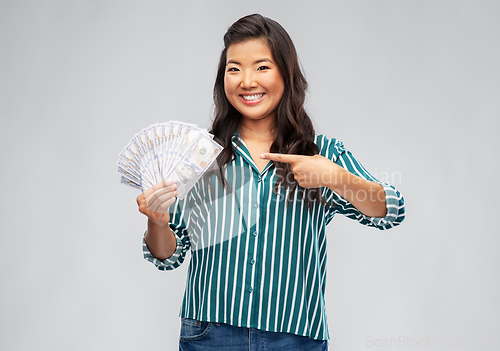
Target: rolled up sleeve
{"x": 395, "y": 207}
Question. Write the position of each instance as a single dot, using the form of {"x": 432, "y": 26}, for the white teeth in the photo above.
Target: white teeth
{"x": 252, "y": 97}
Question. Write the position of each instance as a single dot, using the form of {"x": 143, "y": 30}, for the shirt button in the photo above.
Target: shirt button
{"x": 252, "y": 261}
{"x": 260, "y": 179}
{"x": 256, "y": 205}
{"x": 255, "y": 233}
{"x": 250, "y": 289}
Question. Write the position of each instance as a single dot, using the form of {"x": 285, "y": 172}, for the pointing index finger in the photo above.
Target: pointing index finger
{"x": 284, "y": 158}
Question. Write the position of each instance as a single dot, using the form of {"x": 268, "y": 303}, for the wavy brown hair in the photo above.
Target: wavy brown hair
{"x": 295, "y": 131}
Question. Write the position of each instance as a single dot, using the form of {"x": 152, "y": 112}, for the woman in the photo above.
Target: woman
{"x": 256, "y": 230}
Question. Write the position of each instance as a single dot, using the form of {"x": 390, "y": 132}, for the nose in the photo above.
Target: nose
{"x": 248, "y": 80}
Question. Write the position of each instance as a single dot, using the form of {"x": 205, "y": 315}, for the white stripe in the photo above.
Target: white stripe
{"x": 228, "y": 261}
{"x": 303, "y": 295}
{"x": 211, "y": 247}
{"x": 269, "y": 308}
{"x": 264, "y": 257}
{"x": 299, "y": 264}
{"x": 316, "y": 268}
{"x": 221, "y": 245}
{"x": 240, "y": 225}
{"x": 280, "y": 271}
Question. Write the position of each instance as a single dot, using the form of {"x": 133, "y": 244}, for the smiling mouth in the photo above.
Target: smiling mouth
{"x": 254, "y": 97}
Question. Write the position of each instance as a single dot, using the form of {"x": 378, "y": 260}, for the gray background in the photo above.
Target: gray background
{"x": 411, "y": 87}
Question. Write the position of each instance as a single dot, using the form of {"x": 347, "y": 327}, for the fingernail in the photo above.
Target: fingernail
{"x": 262, "y": 156}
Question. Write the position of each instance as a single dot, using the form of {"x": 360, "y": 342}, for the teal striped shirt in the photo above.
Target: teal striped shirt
{"x": 257, "y": 261}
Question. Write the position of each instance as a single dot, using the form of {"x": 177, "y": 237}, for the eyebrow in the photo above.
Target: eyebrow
{"x": 256, "y": 62}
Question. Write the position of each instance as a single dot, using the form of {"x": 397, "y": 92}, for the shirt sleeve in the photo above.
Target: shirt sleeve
{"x": 335, "y": 151}
{"x": 178, "y": 221}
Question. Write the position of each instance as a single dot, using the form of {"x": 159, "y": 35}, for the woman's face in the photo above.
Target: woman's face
{"x": 252, "y": 81}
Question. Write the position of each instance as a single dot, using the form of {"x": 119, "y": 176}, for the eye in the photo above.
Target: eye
{"x": 262, "y": 68}
{"x": 232, "y": 69}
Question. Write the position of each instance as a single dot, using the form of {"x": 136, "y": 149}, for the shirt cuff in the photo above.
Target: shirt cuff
{"x": 167, "y": 264}
{"x": 393, "y": 205}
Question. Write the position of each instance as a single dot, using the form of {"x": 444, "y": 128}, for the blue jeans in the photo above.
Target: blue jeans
{"x": 209, "y": 336}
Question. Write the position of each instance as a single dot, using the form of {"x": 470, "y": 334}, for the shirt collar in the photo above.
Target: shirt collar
{"x": 241, "y": 149}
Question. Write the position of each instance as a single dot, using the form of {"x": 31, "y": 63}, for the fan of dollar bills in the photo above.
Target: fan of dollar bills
{"x": 176, "y": 150}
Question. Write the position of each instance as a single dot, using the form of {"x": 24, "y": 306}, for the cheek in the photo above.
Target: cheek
{"x": 229, "y": 90}
{"x": 276, "y": 84}
{"x": 225, "y": 85}
{"x": 228, "y": 86}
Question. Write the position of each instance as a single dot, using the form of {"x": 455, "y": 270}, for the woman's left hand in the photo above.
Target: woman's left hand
{"x": 318, "y": 171}
{"x": 309, "y": 171}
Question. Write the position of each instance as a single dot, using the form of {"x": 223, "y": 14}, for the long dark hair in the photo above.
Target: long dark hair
{"x": 295, "y": 131}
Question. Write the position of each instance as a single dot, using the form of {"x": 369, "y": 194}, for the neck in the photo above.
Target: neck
{"x": 261, "y": 130}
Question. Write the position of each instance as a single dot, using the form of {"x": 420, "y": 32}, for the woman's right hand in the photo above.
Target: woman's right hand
{"x": 155, "y": 201}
